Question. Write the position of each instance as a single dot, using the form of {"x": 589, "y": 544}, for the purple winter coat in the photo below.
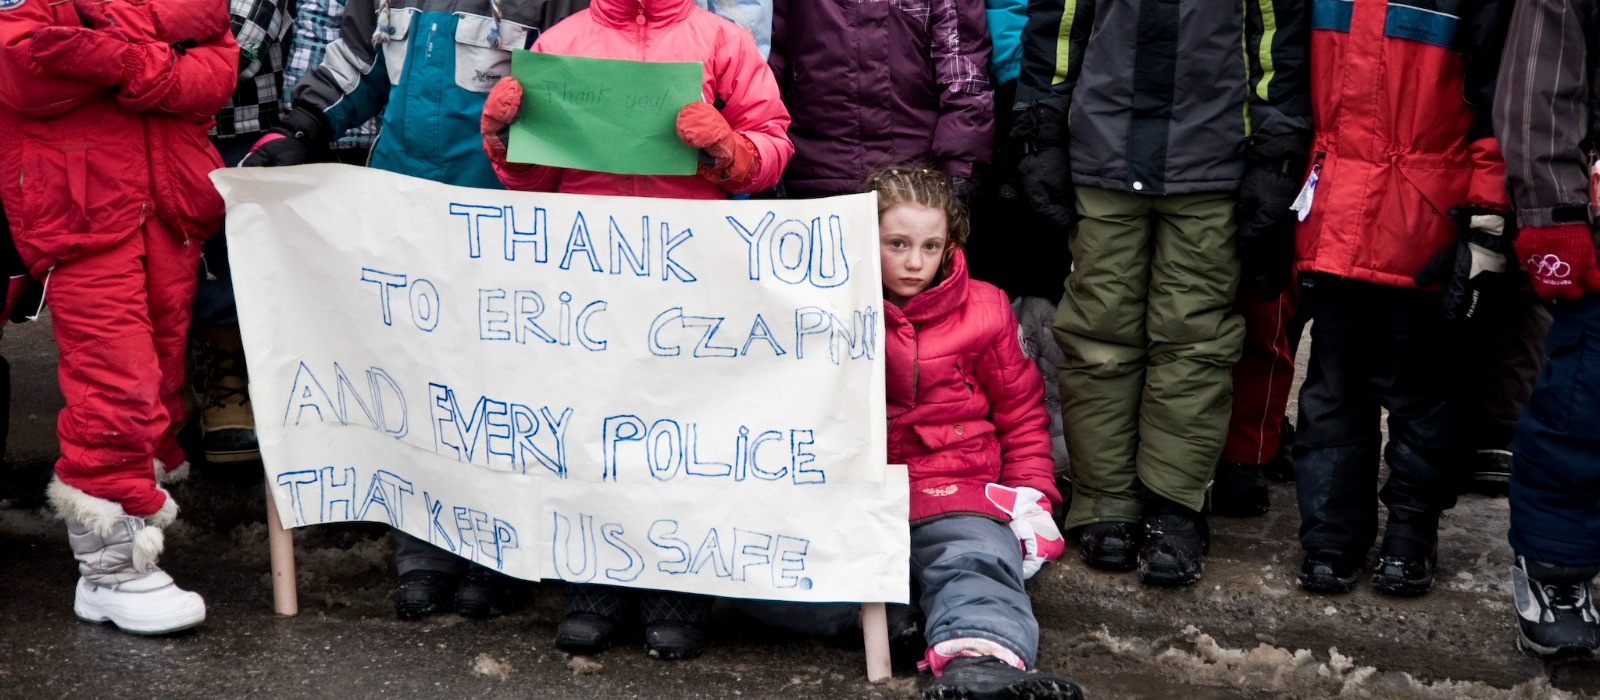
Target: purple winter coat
{"x": 871, "y": 82}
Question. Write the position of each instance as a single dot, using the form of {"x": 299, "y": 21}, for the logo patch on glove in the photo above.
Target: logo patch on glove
{"x": 10, "y": 4}
{"x": 1551, "y": 267}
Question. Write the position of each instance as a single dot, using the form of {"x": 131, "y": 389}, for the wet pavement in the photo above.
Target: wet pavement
{"x": 1244, "y": 632}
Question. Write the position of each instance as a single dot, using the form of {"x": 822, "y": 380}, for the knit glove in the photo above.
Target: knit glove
{"x": 1273, "y": 166}
{"x": 1472, "y": 269}
{"x": 1045, "y": 168}
{"x": 500, "y": 111}
{"x": 289, "y": 144}
{"x": 93, "y": 56}
{"x": 733, "y": 158}
{"x": 1561, "y": 260}
{"x": 1029, "y": 510}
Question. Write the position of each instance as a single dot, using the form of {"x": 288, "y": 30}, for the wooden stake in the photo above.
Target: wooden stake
{"x": 285, "y": 597}
{"x": 875, "y": 633}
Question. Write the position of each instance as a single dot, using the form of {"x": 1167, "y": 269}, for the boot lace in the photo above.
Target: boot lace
{"x": 220, "y": 364}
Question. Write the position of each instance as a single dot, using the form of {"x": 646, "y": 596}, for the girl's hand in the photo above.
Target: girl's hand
{"x": 733, "y": 157}
{"x": 1031, "y": 522}
{"x": 500, "y": 110}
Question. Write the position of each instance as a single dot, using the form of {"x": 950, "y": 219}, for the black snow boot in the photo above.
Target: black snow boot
{"x": 1176, "y": 540}
{"x": 1110, "y": 546}
{"x": 673, "y": 624}
{"x": 989, "y": 678}
{"x": 422, "y": 593}
{"x": 1327, "y": 571}
{"x": 1239, "y": 491}
{"x": 1555, "y": 615}
{"x": 1408, "y": 557}
{"x": 487, "y": 593}
{"x": 591, "y": 621}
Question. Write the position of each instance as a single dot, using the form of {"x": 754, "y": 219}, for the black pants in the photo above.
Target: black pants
{"x": 1498, "y": 358}
{"x": 1373, "y": 347}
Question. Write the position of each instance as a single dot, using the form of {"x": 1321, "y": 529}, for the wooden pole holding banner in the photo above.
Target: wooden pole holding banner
{"x": 285, "y": 598}
{"x": 875, "y": 634}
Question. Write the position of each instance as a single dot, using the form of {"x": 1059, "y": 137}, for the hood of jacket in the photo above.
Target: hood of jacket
{"x": 624, "y": 13}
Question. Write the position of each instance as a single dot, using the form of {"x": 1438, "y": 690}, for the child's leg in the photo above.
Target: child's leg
{"x": 970, "y": 569}
{"x": 106, "y": 489}
{"x": 1100, "y": 326}
{"x": 110, "y": 376}
{"x": 1195, "y": 339}
{"x": 170, "y": 269}
{"x": 1336, "y": 452}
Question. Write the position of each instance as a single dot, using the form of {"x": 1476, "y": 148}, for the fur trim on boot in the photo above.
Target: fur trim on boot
{"x": 169, "y": 510}
{"x": 173, "y": 476}
{"x": 147, "y": 546}
{"x": 72, "y": 504}
{"x": 99, "y": 514}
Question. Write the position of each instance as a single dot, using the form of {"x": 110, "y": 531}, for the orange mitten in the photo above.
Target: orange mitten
{"x": 733, "y": 157}
{"x": 502, "y": 108}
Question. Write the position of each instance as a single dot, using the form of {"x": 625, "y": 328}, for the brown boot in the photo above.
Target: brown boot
{"x": 227, "y": 428}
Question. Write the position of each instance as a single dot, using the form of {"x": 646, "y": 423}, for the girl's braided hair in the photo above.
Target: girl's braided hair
{"x": 913, "y": 184}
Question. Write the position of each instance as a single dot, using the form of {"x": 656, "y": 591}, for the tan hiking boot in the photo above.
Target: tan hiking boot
{"x": 227, "y": 427}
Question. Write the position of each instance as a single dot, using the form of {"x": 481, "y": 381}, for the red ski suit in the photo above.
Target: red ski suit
{"x": 107, "y": 194}
{"x": 965, "y": 406}
{"x": 1394, "y": 153}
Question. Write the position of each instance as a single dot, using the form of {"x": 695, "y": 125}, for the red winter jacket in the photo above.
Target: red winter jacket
{"x": 1400, "y": 100}
{"x": 81, "y": 166}
{"x": 966, "y": 408}
{"x": 664, "y": 31}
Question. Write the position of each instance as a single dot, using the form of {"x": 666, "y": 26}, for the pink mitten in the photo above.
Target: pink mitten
{"x": 1029, "y": 510}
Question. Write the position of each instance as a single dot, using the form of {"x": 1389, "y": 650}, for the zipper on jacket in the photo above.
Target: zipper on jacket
{"x": 916, "y": 370}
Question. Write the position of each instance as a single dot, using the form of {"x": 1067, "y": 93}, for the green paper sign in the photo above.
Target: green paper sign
{"x": 603, "y": 115}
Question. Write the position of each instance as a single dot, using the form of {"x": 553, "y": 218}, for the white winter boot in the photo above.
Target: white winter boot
{"x": 117, "y": 553}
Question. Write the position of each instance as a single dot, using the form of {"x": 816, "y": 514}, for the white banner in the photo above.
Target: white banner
{"x": 669, "y": 394}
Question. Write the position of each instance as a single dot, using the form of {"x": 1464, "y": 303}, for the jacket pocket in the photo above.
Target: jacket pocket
{"x": 395, "y": 26}
{"x": 938, "y": 436}
{"x": 55, "y": 186}
{"x": 483, "y": 50}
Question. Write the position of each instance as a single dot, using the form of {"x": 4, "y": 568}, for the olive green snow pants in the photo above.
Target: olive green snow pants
{"x": 1150, "y": 340}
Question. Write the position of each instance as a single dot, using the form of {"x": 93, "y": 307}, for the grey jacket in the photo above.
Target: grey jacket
{"x": 1163, "y": 93}
{"x": 1545, "y": 110}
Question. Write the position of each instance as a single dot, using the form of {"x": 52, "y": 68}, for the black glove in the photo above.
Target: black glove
{"x": 290, "y": 144}
{"x": 1273, "y": 168}
{"x": 1045, "y": 168}
{"x": 1473, "y": 270}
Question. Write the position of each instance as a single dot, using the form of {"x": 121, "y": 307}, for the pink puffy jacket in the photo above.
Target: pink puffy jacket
{"x": 966, "y": 408}
{"x": 664, "y": 31}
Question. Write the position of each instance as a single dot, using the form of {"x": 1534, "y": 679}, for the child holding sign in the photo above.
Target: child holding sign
{"x": 966, "y": 417}
{"x": 741, "y": 130}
